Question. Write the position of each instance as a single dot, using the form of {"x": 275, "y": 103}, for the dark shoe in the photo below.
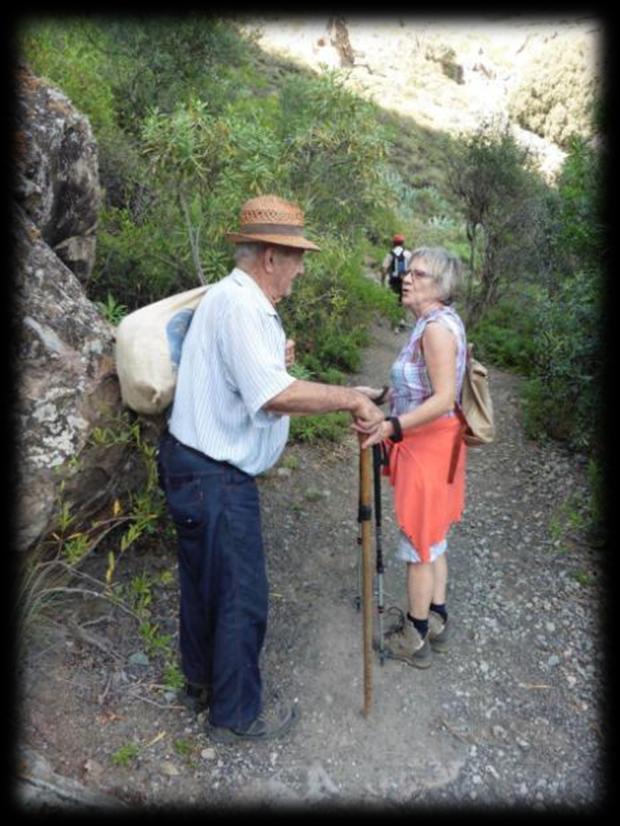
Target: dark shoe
{"x": 195, "y": 697}
{"x": 407, "y": 645}
{"x": 274, "y": 722}
{"x": 438, "y": 633}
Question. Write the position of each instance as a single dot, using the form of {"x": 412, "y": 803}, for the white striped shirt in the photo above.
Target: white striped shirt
{"x": 232, "y": 363}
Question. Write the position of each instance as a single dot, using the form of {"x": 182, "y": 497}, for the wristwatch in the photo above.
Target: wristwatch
{"x": 397, "y": 436}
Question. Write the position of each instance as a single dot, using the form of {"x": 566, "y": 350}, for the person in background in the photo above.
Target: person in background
{"x": 395, "y": 265}
{"x": 420, "y": 435}
{"x": 229, "y": 423}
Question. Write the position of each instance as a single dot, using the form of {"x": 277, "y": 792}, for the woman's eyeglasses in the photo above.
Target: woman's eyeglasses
{"x": 418, "y": 273}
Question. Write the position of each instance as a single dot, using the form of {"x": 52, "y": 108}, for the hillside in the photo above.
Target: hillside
{"x": 451, "y": 75}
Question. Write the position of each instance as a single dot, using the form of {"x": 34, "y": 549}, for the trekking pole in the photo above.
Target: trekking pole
{"x": 365, "y": 515}
{"x": 381, "y": 398}
{"x": 358, "y": 597}
{"x": 377, "y": 462}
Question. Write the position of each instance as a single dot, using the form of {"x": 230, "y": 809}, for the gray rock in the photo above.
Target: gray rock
{"x": 58, "y": 174}
{"x": 67, "y": 380}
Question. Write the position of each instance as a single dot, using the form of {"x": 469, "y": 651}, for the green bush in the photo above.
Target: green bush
{"x": 160, "y": 61}
{"x": 331, "y": 309}
{"x": 556, "y": 95}
{"x": 71, "y": 54}
{"x": 565, "y": 397}
{"x": 140, "y": 263}
{"x": 505, "y": 335}
{"x": 329, "y": 427}
{"x": 335, "y": 149}
{"x": 505, "y": 211}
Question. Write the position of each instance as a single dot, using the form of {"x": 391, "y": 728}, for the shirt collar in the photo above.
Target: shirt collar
{"x": 244, "y": 280}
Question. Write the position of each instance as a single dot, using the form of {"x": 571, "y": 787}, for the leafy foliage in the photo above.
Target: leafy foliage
{"x": 564, "y": 397}
{"x": 556, "y": 95}
{"x": 505, "y": 214}
{"x": 335, "y": 149}
{"x": 505, "y": 334}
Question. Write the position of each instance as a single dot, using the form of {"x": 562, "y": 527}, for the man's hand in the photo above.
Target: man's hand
{"x": 367, "y": 416}
{"x": 374, "y": 394}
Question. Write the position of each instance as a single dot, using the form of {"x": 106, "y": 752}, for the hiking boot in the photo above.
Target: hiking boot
{"x": 407, "y": 645}
{"x": 195, "y": 697}
{"x": 394, "y": 620}
{"x": 273, "y": 722}
{"x": 438, "y": 632}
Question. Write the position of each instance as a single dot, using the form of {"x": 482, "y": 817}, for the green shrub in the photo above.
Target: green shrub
{"x": 71, "y": 54}
{"x": 331, "y": 309}
{"x": 556, "y": 94}
{"x": 505, "y": 211}
{"x": 564, "y": 397}
{"x": 140, "y": 263}
{"x": 329, "y": 427}
{"x": 335, "y": 149}
{"x": 505, "y": 335}
{"x": 160, "y": 61}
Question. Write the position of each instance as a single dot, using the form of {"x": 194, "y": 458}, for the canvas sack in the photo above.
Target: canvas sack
{"x": 476, "y": 405}
{"x": 148, "y": 350}
{"x": 475, "y": 412}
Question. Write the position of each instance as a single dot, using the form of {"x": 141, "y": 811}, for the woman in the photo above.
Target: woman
{"x": 421, "y": 433}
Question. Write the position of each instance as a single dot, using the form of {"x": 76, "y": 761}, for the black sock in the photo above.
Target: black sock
{"x": 421, "y": 625}
{"x": 441, "y": 610}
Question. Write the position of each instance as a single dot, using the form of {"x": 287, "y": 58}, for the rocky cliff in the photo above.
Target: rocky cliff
{"x": 537, "y": 74}
{"x": 67, "y": 384}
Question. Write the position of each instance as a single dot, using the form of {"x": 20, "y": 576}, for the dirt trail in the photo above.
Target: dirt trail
{"x": 509, "y": 717}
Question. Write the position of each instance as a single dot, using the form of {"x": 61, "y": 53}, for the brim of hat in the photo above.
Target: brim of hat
{"x": 279, "y": 240}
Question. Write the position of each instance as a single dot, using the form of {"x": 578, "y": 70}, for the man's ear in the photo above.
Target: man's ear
{"x": 269, "y": 257}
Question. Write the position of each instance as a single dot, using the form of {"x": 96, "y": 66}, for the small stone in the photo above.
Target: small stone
{"x": 208, "y": 754}
{"x": 139, "y": 658}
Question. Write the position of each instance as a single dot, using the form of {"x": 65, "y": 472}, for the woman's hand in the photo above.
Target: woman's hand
{"x": 381, "y": 432}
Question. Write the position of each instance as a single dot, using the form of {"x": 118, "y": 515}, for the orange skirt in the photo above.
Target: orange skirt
{"x": 426, "y": 504}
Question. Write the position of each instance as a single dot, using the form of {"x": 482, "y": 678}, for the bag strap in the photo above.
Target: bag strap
{"x": 458, "y": 441}
{"x": 460, "y": 415}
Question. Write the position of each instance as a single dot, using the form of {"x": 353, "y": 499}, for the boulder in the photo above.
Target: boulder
{"x": 58, "y": 175}
{"x": 66, "y": 379}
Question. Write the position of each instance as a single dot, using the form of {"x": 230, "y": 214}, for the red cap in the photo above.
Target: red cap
{"x": 398, "y": 239}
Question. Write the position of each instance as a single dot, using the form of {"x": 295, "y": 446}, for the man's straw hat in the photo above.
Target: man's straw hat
{"x": 271, "y": 220}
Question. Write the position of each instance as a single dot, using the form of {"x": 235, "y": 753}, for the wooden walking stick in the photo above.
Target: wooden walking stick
{"x": 364, "y": 517}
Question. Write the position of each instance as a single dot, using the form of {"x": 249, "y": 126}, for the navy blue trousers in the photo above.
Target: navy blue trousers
{"x": 222, "y": 578}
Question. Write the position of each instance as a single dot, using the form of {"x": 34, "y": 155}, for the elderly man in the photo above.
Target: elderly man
{"x": 229, "y": 423}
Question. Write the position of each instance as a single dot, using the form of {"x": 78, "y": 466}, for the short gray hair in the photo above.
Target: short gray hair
{"x": 444, "y": 267}
{"x": 247, "y": 249}
{"x": 252, "y": 249}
